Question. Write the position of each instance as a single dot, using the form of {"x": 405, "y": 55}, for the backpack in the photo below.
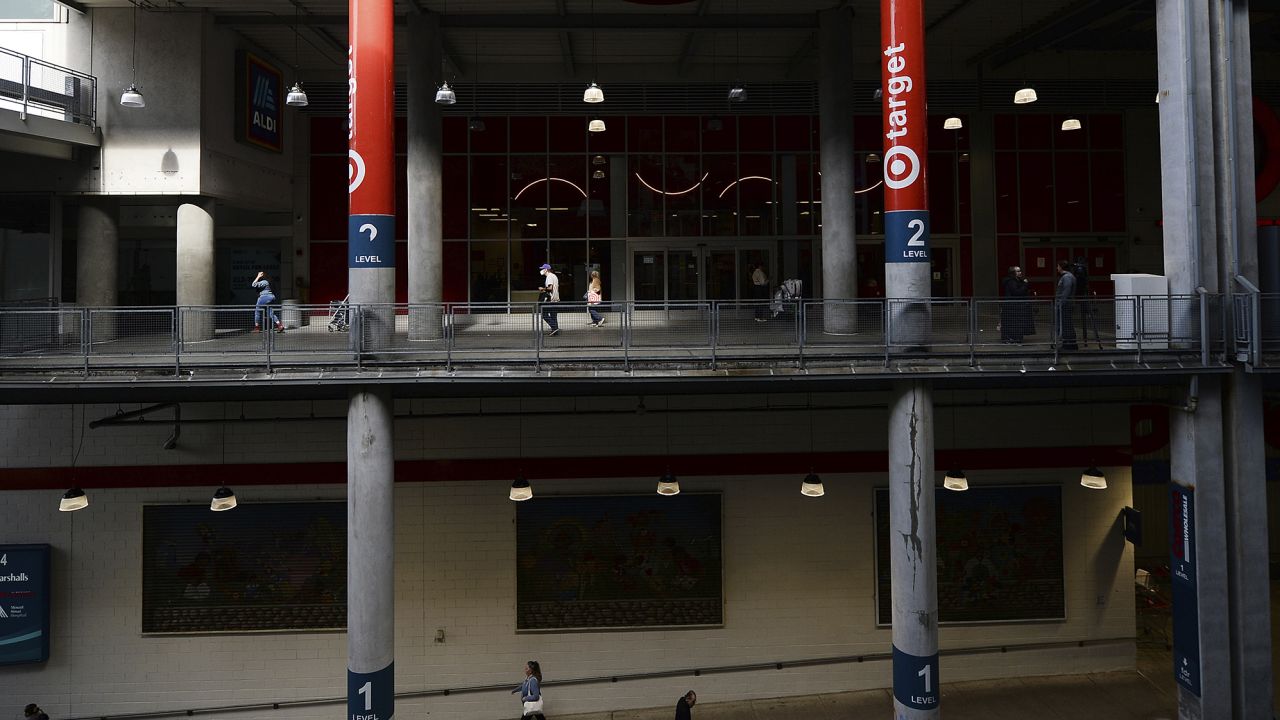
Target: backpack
{"x": 1080, "y": 269}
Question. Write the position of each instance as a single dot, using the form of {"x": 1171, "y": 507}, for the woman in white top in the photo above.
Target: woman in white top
{"x": 595, "y": 293}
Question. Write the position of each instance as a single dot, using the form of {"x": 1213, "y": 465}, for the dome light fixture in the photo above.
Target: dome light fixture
{"x": 668, "y": 484}
{"x": 955, "y": 480}
{"x": 593, "y": 94}
{"x": 738, "y": 93}
{"x": 952, "y": 123}
{"x": 873, "y": 158}
{"x": 475, "y": 124}
{"x": 596, "y": 125}
{"x": 297, "y": 96}
{"x": 223, "y": 499}
{"x": 597, "y": 175}
{"x": 1025, "y": 96}
{"x": 132, "y": 97}
{"x": 72, "y": 500}
{"x": 445, "y": 94}
{"x": 521, "y": 490}
{"x": 1070, "y": 124}
{"x": 1093, "y": 478}
{"x": 811, "y": 486}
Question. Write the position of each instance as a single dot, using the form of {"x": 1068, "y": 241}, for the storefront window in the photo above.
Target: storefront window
{"x": 683, "y": 177}
{"x": 569, "y": 203}
{"x": 645, "y": 188}
{"x": 489, "y": 208}
{"x": 530, "y": 187}
{"x": 489, "y": 271}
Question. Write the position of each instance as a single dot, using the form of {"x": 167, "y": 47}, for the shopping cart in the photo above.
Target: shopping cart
{"x": 339, "y": 315}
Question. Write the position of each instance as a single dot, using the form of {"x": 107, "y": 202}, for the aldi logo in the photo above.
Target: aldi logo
{"x": 260, "y": 116}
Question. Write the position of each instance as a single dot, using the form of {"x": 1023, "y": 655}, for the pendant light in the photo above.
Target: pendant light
{"x": 873, "y": 158}
{"x": 811, "y": 486}
{"x": 668, "y": 484}
{"x": 1027, "y": 94}
{"x": 952, "y": 123}
{"x": 738, "y": 92}
{"x": 596, "y": 125}
{"x": 223, "y": 499}
{"x": 520, "y": 490}
{"x": 593, "y": 94}
{"x": 297, "y": 96}
{"x": 444, "y": 93}
{"x": 1071, "y": 124}
{"x": 597, "y": 175}
{"x": 74, "y": 499}
{"x": 955, "y": 478}
{"x": 132, "y": 96}
{"x": 1093, "y": 478}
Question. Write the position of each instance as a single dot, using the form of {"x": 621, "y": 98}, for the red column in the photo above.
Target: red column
{"x": 371, "y": 141}
{"x": 906, "y": 124}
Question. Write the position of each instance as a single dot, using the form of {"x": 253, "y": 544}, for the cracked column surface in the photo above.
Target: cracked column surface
{"x": 913, "y": 552}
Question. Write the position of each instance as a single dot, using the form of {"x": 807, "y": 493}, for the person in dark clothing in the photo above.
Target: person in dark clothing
{"x": 684, "y": 706}
{"x": 1064, "y": 301}
{"x": 1015, "y": 311}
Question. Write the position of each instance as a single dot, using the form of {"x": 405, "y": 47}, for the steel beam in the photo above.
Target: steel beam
{"x": 548, "y": 21}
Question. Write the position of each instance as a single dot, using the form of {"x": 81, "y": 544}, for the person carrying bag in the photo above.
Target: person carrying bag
{"x": 530, "y": 692}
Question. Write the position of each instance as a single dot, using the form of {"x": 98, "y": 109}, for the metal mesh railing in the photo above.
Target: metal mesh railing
{"x": 33, "y": 86}
{"x": 631, "y": 332}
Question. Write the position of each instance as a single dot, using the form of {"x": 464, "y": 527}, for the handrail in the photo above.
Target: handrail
{"x": 75, "y": 101}
{"x": 795, "y": 331}
{"x": 1254, "y": 296}
{"x": 624, "y": 677}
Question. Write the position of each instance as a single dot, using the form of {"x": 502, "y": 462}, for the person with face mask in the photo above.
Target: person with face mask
{"x": 550, "y": 294}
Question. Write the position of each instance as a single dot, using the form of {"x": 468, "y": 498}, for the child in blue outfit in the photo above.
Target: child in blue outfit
{"x": 530, "y": 693}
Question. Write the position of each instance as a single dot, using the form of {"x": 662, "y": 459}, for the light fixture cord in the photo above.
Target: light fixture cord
{"x": 134, "y": 74}
{"x": 595, "y": 59}
{"x": 737, "y": 39}
{"x": 295, "y": 42}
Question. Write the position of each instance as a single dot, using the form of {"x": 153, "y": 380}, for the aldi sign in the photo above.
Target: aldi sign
{"x": 259, "y": 103}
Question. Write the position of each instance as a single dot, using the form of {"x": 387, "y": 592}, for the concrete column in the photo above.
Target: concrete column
{"x": 370, "y": 554}
{"x": 97, "y": 262}
{"x": 835, "y": 114}
{"x": 982, "y": 198}
{"x": 1244, "y": 457}
{"x": 426, "y": 231}
{"x": 195, "y": 278}
{"x": 1201, "y": 635}
{"x": 913, "y": 552}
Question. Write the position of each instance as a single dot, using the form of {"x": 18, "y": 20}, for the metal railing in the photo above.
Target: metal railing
{"x": 975, "y": 331}
{"x": 35, "y": 87}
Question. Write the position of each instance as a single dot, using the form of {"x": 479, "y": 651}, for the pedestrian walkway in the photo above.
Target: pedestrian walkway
{"x": 1125, "y": 695}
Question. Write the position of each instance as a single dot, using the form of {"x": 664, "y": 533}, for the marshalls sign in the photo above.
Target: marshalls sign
{"x": 24, "y": 604}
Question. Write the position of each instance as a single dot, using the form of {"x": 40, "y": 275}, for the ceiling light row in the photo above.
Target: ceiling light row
{"x": 76, "y": 499}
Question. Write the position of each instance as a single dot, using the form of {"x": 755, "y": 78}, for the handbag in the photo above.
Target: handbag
{"x": 592, "y": 297}
{"x": 533, "y": 706}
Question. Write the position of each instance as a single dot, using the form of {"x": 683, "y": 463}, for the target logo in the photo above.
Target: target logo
{"x": 355, "y": 170}
{"x": 901, "y": 167}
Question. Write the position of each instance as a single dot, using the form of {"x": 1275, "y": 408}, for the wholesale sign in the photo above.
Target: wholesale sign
{"x": 1186, "y": 606}
{"x": 259, "y": 103}
{"x": 24, "y": 604}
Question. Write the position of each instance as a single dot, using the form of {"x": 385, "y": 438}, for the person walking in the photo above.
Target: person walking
{"x": 33, "y": 712}
{"x": 550, "y": 294}
{"x": 265, "y": 297}
{"x": 595, "y": 293}
{"x": 531, "y": 692}
{"x": 684, "y": 706}
{"x": 760, "y": 291}
{"x": 1015, "y": 312}
{"x": 1064, "y": 300}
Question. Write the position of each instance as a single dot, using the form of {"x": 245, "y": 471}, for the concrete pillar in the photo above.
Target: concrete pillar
{"x": 835, "y": 114}
{"x": 982, "y": 199}
{"x": 1244, "y": 457}
{"x": 913, "y": 552}
{"x": 195, "y": 277}
{"x": 370, "y": 555}
{"x": 426, "y": 231}
{"x": 97, "y": 262}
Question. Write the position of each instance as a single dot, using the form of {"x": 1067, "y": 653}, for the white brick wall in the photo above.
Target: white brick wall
{"x": 798, "y": 584}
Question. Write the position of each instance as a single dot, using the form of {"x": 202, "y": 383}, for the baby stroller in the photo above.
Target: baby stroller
{"x": 788, "y": 293}
{"x": 339, "y": 315}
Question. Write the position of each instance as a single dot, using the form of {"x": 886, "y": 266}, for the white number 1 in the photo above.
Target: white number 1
{"x": 918, "y": 226}
{"x": 367, "y": 692}
{"x": 927, "y": 673}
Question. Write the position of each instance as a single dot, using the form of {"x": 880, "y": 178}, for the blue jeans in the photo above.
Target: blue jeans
{"x": 271, "y": 313}
{"x": 549, "y": 316}
{"x": 595, "y": 314}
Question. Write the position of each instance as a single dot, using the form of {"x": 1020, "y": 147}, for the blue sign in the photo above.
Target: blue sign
{"x": 24, "y": 604}
{"x": 260, "y": 103}
{"x": 1186, "y": 606}
{"x": 906, "y": 236}
{"x": 915, "y": 680}
{"x": 371, "y": 696}
{"x": 371, "y": 241}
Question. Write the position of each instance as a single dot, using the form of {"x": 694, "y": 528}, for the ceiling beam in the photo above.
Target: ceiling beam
{"x": 543, "y": 21}
{"x": 802, "y": 53}
{"x": 690, "y": 41}
{"x": 1071, "y": 21}
{"x": 566, "y": 46}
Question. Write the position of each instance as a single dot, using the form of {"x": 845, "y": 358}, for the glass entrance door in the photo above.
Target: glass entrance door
{"x": 690, "y": 274}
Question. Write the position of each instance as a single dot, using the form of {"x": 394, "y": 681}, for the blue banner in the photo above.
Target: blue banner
{"x": 260, "y": 103}
{"x": 915, "y": 680}
{"x": 1186, "y": 606}
{"x": 371, "y": 696}
{"x": 24, "y": 604}
{"x": 371, "y": 241}
{"x": 906, "y": 236}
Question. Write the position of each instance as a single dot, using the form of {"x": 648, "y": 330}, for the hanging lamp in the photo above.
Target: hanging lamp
{"x": 297, "y": 96}
{"x": 1071, "y": 124}
{"x": 811, "y": 486}
{"x": 1093, "y": 478}
{"x": 668, "y": 484}
{"x": 952, "y": 123}
{"x": 596, "y": 125}
{"x": 955, "y": 480}
{"x": 72, "y": 500}
{"x": 132, "y": 96}
{"x": 223, "y": 499}
{"x": 521, "y": 490}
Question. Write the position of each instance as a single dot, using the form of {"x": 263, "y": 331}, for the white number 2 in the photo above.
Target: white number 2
{"x": 367, "y": 691}
{"x": 918, "y": 226}
{"x": 373, "y": 231}
{"x": 927, "y": 671}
